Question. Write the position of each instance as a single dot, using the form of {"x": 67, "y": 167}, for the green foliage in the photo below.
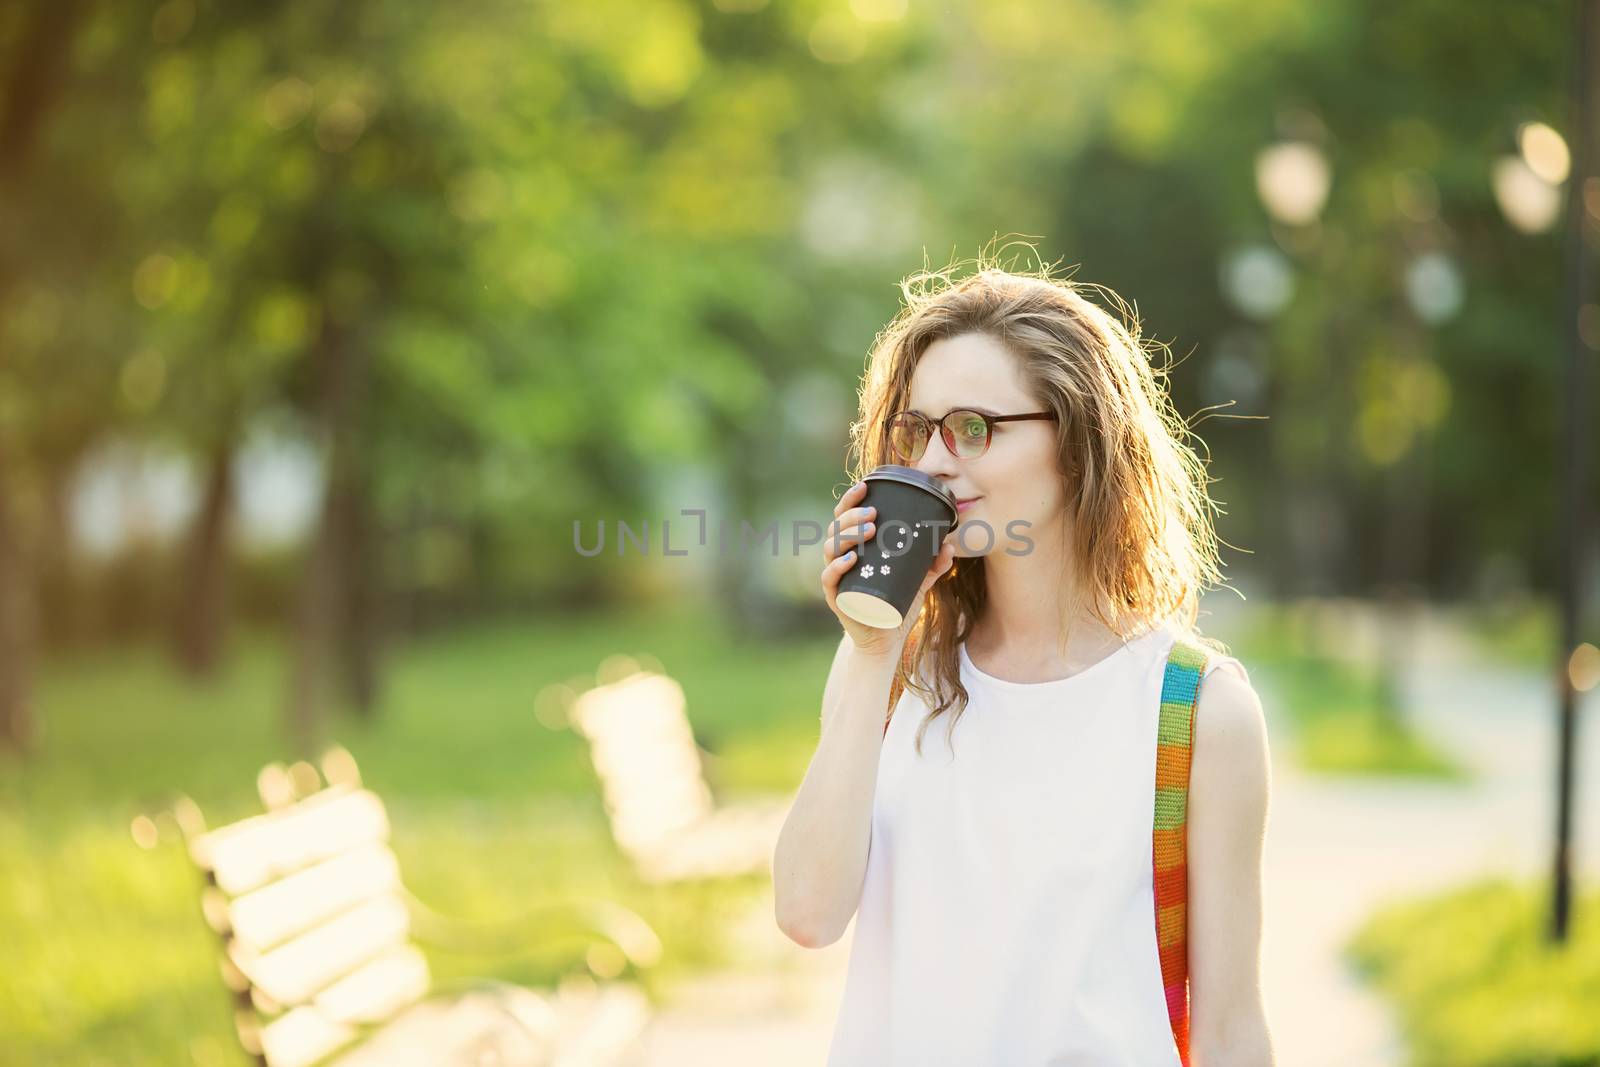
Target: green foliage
{"x": 1477, "y": 982}
{"x": 582, "y": 246}
{"x": 1354, "y": 739}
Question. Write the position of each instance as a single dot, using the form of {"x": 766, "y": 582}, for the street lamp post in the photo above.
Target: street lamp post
{"x": 1527, "y": 187}
{"x": 1575, "y": 465}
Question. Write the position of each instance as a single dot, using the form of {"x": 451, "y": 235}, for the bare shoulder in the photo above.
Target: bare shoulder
{"x": 1230, "y": 749}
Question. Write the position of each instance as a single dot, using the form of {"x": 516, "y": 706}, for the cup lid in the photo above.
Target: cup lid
{"x": 893, "y": 472}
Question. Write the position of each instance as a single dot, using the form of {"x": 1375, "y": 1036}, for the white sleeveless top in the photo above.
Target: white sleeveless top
{"x": 1007, "y": 915}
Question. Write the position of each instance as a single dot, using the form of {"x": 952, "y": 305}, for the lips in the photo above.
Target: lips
{"x": 963, "y": 505}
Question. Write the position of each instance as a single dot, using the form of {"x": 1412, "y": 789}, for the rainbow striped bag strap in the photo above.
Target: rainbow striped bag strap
{"x": 1180, "y": 689}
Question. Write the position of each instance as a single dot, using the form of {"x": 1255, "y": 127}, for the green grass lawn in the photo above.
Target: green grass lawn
{"x": 1476, "y": 982}
{"x": 107, "y": 958}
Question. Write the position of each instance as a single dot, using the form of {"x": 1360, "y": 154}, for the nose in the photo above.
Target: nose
{"x": 937, "y": 460}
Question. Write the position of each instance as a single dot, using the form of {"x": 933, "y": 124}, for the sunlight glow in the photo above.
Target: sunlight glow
{"x": 1545, "y": 151}
{"x": 1292, "y": 179}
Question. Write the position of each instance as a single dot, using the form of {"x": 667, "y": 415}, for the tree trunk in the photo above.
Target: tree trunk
{"x": 200, "y": 626}
{"x": 316, "y": 622}
{"x": 58, "y": 605}
{"x": 360, "y": 586}
{"x": 32, "y": 86}
{"x": 16, "y": 621}
{"x": 314, "y": 628}
{"x": 320, "y": 612}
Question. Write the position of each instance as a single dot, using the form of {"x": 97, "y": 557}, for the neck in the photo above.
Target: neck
{"x": 1029, "y": 600}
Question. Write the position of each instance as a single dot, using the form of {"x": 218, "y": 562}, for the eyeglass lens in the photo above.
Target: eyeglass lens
{"x": 966, "y": 434}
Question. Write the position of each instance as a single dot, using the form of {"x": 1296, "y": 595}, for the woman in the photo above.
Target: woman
{"x": 1002, "y": 883}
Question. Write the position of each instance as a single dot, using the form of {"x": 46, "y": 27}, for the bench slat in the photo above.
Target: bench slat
{"x": 312, "y": 910}
{"x": 377, "y": 990}
{"x": 296, "y": 971}
{"x": 303, "y": 1037}
{"x": 270, "y": 915}
{"x": 473, "y": 1029}
{"x": 251, "y": 853}
{"x": 644, "y": 753}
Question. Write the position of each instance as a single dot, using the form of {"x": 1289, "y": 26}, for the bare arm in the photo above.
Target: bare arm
{"x": 820, "y": 859}
{"x": 1229, "y": 785}
{"x": 821, "y": 855}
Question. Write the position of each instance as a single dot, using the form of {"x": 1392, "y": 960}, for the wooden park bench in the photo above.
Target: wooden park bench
{"x": 318, "y": 948}
{"x": 662, "y": 811}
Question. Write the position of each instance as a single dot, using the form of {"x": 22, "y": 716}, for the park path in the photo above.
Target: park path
{"x": 1338, "y": 847}
{"x": 1335, "y": 849}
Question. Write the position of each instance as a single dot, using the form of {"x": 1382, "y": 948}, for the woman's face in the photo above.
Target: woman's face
{"x": 1019, "y": 476}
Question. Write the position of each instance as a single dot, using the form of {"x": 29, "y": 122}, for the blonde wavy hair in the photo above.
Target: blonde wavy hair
{"x": 1136, "y": 490}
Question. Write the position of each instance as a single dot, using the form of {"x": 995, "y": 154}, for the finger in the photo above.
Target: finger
{"x": 831, "y": 575}
{"x": 850, "y": 497}
{"x": 844, "y": 524}
{"x": 853, "y": 536}
{"x": 852, "y": 517}
{"x": 839, "y": 539}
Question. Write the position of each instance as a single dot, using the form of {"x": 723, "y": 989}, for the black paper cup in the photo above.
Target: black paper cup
{"x": 915, "y": 513}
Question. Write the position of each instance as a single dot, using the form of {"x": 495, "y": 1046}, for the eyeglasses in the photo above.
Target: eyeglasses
{"x": 966, "y": 433}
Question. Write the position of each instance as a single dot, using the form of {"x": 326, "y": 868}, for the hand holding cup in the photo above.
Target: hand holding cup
{"x": 876, "y": 604}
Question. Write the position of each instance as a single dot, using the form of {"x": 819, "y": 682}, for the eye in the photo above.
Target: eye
{"x": 907, "y": 435}
{"x": 971, "y": 425}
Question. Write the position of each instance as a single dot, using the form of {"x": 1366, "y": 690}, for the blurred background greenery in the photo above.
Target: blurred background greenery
{"x": 324, "y": 326}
